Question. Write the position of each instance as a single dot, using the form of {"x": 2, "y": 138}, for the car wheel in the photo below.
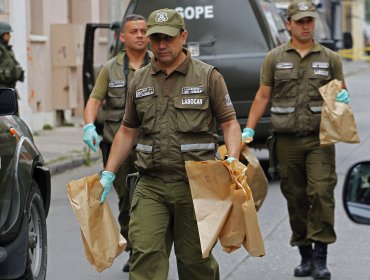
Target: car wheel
{"x": 36, "y": 262}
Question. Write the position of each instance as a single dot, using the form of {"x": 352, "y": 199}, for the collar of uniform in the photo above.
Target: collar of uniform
{"x": 120, "y": 57}
{"x": 316, "y": 47}
{"x": 182, "y": 68}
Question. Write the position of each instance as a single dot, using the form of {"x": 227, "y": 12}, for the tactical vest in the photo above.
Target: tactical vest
{"x": 177, "y": 127}
{"x": 10, "y": 70}
{"x": 116, "y": 96}
{"x": 296, "y": 100}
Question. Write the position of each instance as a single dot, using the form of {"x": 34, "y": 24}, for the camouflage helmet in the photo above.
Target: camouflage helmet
{"x": 5, "y": 28}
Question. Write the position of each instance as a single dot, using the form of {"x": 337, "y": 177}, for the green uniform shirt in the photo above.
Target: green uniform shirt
{"x": 111, "y": 85}
{"x": 176, "y": 116}
{"x": 295, "y": 81}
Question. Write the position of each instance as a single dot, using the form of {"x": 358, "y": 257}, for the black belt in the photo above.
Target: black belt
{"x": 297, "y": 134}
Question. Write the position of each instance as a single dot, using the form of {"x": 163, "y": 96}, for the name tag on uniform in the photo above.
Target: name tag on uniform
{"x": 284, "y": 65}
{"x": 322, "y": 65}
{"x": 142, "y": 92}
{"x": 192, "y": 90}
{"x": 321, "y": 72}
{"x": 117, "y": 84}
{"x": 192, "y": 101}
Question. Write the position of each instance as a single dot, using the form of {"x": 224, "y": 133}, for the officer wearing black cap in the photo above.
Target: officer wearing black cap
{"x": 172, "y": 108}
{"x": 290, "y": 78}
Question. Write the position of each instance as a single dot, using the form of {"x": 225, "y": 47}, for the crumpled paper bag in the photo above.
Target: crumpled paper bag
{"x": 241, "y": 226}
{"x": 256, "y": 178}
{"x": 100, "y": 234}
{"x": 210, "y": 188}
{"x": 337, "y": 119}
{"x": 224, "y": 206}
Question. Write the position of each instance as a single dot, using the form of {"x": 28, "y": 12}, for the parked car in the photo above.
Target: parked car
{"x": 232, "y": 35}
{"x": 356, "y": 193}
{"x": 24, "y": 197}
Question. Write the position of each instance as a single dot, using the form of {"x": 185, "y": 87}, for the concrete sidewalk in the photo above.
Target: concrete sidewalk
{"x": 63, "y": 148}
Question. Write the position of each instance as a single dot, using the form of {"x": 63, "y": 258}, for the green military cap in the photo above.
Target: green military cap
{"x": 5, "y": 28}
{"x": 165, "y": 21}
{"x": 299, "y": 9}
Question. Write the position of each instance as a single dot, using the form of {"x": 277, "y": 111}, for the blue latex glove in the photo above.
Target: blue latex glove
{"x": 247, "y": 134}
{"x": 106, "y": 180}
{"x": 230, "y": 159}
{"x": 343, "y": 96}
{"x": 91, "y": 137}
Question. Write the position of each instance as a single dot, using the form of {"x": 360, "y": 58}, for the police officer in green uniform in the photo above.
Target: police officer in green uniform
{"x": 10, "y": 70}
{"x": 290, "y": 78}
{"x": 111, "y": 86}
{"x": 172, "y": 106}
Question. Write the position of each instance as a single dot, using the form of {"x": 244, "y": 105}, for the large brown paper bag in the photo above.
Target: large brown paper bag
{"x": 209, "y": 184}
{"x": 232, "y": 234}
{"x": 256, "y": 178}
{"x": 241, "y": 226}
{"x": 337, "y": 119}
{"x": 99, "y": 230}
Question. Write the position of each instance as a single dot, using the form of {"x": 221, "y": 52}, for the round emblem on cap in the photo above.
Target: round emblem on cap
{"x": 161, "y": 17}
{"x": 302, "y": 6}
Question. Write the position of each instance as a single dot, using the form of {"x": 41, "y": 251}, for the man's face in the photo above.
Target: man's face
{"x": 302, "y": 30}
{"x": 134, "y": 35}
{"x": 167, "y": 49}
{"x": 6, "y": 37}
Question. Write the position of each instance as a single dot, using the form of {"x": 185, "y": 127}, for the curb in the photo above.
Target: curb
{"x": 70, "y": 163}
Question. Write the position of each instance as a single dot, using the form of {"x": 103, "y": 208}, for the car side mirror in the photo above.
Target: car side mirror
{"x": 356, "y": 193}
{"x": 8, "y": 102}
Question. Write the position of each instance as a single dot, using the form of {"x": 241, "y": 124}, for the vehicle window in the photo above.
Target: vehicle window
{"x": 213, "y": 25}
{"x": 360, "y": 180}
{"x": 277, "y": 25}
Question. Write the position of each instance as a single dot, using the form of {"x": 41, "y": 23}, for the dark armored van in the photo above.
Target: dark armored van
{"x": 233, "y": 35}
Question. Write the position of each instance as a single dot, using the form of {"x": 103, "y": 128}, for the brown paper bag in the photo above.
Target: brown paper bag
{"x": 233, "y": 232}
{"x": 253, "y": 242}
{"x": 209, "y": 184}
{"x": 337, "y": 119}
{"x": 256, "y": 177}
{"x": 241, "y": 226}
{"x": 99, "y": 230}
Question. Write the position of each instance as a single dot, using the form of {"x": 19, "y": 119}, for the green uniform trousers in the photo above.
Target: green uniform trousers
{"x": 308, "y": 179}
{"x": 163, "y": 214}
{"x": 124, "y": 205}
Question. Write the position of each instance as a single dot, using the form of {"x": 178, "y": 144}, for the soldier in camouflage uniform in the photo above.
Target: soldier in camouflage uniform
{"x": 290, "y": 78}
{"x": 10, "y": 70}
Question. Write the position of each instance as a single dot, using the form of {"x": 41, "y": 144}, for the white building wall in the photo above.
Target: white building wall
{"x": 34, "y": 51}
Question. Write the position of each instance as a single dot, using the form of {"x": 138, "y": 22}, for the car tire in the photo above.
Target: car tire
{"x": 36, "y": 262}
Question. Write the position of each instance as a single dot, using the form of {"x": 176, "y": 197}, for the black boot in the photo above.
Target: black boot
{"x": 320, "y": 270}
{"x": 126, "y": 266}
{"x": 305, "y": 268}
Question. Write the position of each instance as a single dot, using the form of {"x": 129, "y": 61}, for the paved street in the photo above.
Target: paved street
{"x": 348, "y": 258}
